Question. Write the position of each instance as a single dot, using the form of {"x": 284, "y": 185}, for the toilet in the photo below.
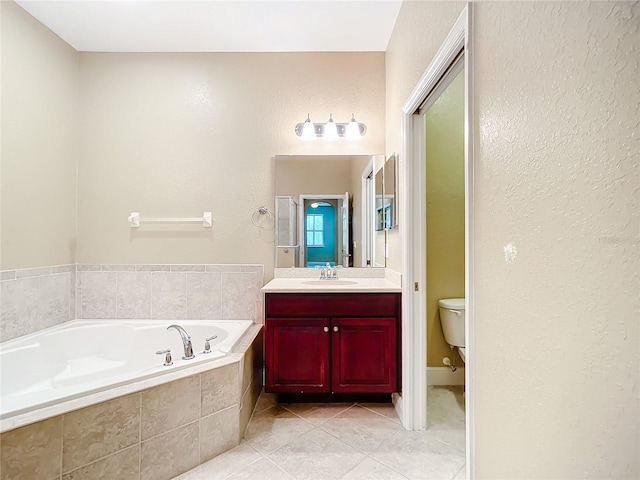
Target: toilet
{"x": 452, "y": 320}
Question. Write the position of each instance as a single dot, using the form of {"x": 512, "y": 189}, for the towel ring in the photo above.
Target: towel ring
{"x": 255, "y": 216}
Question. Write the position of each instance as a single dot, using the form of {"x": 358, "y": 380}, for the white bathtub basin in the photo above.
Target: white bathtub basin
{"x": 82, "y": 357}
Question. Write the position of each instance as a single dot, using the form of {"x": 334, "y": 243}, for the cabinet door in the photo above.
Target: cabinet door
{"x": 297, "y": 355}
{"x": 364, "y": 354}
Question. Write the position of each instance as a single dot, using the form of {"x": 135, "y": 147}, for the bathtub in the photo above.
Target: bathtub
{"x": 82, "y": 357}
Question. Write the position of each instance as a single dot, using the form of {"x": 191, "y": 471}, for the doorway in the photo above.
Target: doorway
{"x": 324, "y": 228}
{"x": 455, "y": 48}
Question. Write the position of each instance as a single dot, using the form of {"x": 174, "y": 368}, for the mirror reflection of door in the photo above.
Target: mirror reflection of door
{"x": 320, "y": 232}
{"x": 326, "y": 225}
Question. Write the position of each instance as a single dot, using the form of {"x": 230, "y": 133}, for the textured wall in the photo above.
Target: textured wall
{"x": 557, "y": 248}
{"x": 39, "y": 143}
{"x": 420, "y": 29}
{"x": 557, "y": 184}
{"x": 445, "y": 211}
{"x": 178, "y": 134}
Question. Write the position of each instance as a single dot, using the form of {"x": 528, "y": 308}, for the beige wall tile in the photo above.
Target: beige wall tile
{"x": 204, "y": 296}
{"x": 97, "y": 294}
{"x": 100, "y": 430}
{"x": 169, "y": 406}
{"x": 220, "y": 388}
{"x": 32, "y": 452}
{"x": 134, "y": 295}
{"x": 123, "y": 465}
{"x": 247, "y": 368}
{"x": 170, "y": 454}
{"x": 246, "y": 409}
{"x": 239, "y": 294}
{"x": 53, "y": 300}
{"x": 168, "y": 295}
{"x": 219, "y": 432}
{"x": 19, "y": 299}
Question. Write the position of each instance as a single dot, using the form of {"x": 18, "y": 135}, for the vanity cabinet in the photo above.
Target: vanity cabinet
{"x": 332, "y": 342}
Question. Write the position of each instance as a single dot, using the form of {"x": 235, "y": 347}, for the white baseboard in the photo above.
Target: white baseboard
{"x": 396, "y": 398}
{"x": 444, "y": 376}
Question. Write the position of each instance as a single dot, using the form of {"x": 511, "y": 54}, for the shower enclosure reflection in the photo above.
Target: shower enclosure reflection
{"x": 325, "y": 210}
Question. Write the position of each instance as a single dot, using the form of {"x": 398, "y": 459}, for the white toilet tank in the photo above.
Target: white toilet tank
{"x": 452, "y": 320}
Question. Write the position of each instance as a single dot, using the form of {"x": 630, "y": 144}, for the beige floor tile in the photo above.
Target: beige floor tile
{"x": 361, "y": 428}
{"x": 266, "y": 400}
{"x": 369, "y": 469}
{"x": 263, "y": 469}
{"x": 317, "y": 413}
{"x": 445, "y": 407}
{"x": 316, "y": 455}
{"x": 224, "y": 465}
{"x": 384, "y": 409}
{"x": 419, "y": 456}
{"x": 274, "y": 427}
{"x": 462, "y": 473}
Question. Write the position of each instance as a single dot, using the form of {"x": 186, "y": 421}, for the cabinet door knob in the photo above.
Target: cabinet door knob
{"x": 335, "y": 329}
{"x": 326, "y": 329}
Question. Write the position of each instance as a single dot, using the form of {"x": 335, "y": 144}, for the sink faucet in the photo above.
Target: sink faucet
{"x": 328, "y": 272}
{"x": 186, "y": 342}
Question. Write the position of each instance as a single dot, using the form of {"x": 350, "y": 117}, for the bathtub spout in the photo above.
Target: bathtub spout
{"x": 186, "y": 342}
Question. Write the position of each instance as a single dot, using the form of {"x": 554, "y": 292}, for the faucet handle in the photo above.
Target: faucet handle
{"x": 167, "y": 359}
{"x": 207, "y": 345}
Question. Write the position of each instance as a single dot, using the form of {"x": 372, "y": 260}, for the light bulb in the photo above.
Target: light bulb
{"x": 353, "y": 129}
{"x": 308, "y": 130}
{"x": 330, "y": 129}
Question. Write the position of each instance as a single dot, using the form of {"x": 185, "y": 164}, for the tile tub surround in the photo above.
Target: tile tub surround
{"x": 36, "y": 298}
{"x": 156, "y": 433}
{"x": 33, "y": 299}
{"x": 196, "y": 292}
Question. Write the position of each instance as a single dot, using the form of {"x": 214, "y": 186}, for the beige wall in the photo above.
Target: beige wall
{"x": 312, "y": 175}
{"x": 556, "y": 175}
{"x": 179, "y": 134}
{"x": 445, "y": 212}
{"x": 419, "y": 31}
{"x": 39, "y": 143}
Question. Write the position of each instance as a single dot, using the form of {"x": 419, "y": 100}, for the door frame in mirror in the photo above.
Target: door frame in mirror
{"x": 302, "y": 241}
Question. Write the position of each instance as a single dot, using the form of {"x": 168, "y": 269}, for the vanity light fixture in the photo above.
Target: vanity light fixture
{"x": 331, "y": 130}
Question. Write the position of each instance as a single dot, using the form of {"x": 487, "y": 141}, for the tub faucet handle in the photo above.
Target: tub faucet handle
{"x": 207, "y": 345}
{"x": 167, "y": 359}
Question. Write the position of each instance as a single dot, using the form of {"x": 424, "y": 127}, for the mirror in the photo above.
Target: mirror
{"x": 379, "y": 186}
{"x": 385, "y": 185}
{"x": 389, "y": 193}
{"x": 325, "y": 211}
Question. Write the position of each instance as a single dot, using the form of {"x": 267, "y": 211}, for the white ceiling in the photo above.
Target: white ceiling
{"x": 219, "y": 26}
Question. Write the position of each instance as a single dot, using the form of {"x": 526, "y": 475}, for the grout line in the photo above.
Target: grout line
{"x": 61, "y": 443}
{"x": 140, "y": 436}
{"x": 280, "y": 468}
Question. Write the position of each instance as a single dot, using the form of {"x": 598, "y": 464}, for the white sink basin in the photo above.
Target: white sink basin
{"x": 329, "y": 283}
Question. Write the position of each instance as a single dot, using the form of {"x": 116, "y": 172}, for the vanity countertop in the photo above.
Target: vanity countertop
{"x": 344, "y": 285}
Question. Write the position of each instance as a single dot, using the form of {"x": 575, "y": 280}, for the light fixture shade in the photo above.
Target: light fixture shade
{"x": 353, "y": 129}
{"x": 330, "y": 129}
{"x": 308, "y": 130}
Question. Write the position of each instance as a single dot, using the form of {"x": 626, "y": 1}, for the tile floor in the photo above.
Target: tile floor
{"x": 304, "y": 441}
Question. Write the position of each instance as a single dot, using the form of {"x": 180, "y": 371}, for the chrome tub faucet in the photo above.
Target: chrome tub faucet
{"x": 186, "y": 342}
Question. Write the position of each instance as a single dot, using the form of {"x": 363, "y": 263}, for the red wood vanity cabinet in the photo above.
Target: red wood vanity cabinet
{"x": 332, "y": 342}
